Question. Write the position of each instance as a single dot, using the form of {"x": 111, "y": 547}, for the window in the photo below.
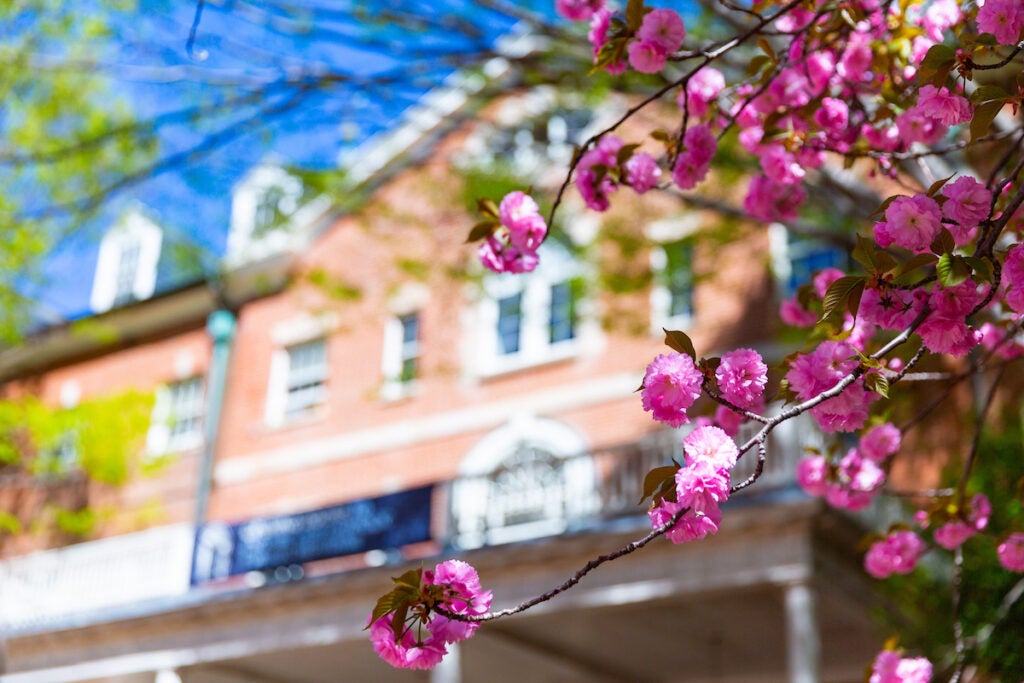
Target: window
{"x": 400, "y": 355}
{"x": 510, "y": 322}
{"x": 527, "y": 479}
{"x": 177, "y": 420}
{"x": 126, "y": 268}
{"x": 306, "y": 386}
{"x": 186, "y": 414}
{"x": 271, "y": 210}
{"x": 795, "y": 258}
{"x": 531, "y": 318}
{"x": 562, "y": 316}
{"x": 672, "y": 303}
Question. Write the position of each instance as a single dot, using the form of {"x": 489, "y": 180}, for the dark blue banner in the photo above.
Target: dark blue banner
{"x": 266, "y": 543}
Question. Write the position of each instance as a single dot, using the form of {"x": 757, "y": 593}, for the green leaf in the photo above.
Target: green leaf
{"x": 952, "y": 270}
{"x": 984, "y": 115}
{"x": 635, "y": 12}
{"x": 758, "y": 63}
{"x": 936, "y": 65}
{"x": 624, "y": 153}
{"x": 880, "y": 211}
{"x": 877, "y": 383}
{"x": 917, "y": 261}
{"x": 410, "y": 579}
{"x": 767, "y": 48}
{"x": 937, "y": 185}
{"x": 678, "y": 341}
{"x": 982, "y": 268}
{"x": 844, "y": 292}
{"x": 481, "y": 230}
{"x": 943, "y": 243}
{"x": 487, "y": 207}
{"x": 656, "y": 479}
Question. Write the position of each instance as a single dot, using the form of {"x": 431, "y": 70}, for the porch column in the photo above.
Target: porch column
{"x": 802, "y": 647}
{"x": 450, "y": 669}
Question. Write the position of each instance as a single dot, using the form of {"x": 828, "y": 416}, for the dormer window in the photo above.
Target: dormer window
{"x": 127, "y": 264}
{"x": 265, "y": 211}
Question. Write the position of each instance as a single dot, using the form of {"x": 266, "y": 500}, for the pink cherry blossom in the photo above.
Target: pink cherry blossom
{"x": 742, "y": 376}
{"x": 993, "y": 338}
{"x": 1002, "y": 18}
{"x": 406, "y": 653}
{"x": 967, "y": 203}
{"x": 519, "y": 213}
{"x": 833, "y": 116}
{"x": 1011, "y": 552}
{"x": 880, "y": 442}
{"x": 663, "y": 28}
{"x": 646, "y": 57}
{"x": 768, "y": 200}
{"x": 701, "y": 487}
{"x": 728, "y": 420}
{"x": 889, "y": 667}
{"x": 781, "y": 166}
{"x": 897, "y": 553}
{"x": 501, "y": 257}
{"x": 941, "y": 105}
{"x": 811, "y": 475}
{"x": 642, "y": 172}
{"x": 592, "y": 178}
{"x": 693, "y": 162}
{"x": 702, "y": 88}
{"x": 712, "y": 445}
{"x": 972, "y": 520}
{"x": 912, "y": 222}
{"x": 792, "y": 313}
{"x": 671, "y": 384}
{"x": 598, "y": 36}
{"x": 914, "y": 126}
{"x": 1013, "y": 278}
{"x": 578, "y": 10}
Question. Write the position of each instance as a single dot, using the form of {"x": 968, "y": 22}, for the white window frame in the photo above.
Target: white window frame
{"x": 245, "y": 245}
{"x": 282, "y": 379}
{"x": 133, "y": 230}
{"x": 396, "y": 352}
{"x": 557, "y": 266}
{"x": 162, "y": 437}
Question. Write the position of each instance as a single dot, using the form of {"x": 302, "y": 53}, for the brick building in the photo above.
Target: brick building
{"x": 354, "y": 396}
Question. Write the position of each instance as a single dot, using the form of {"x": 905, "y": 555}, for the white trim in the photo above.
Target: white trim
{"x": 245, "y": 247}
{"x": 133, "y": 228}
{"x": 481, "y": 337}
{"x": 490, "y": 451}
{"x": 406, "y": 433}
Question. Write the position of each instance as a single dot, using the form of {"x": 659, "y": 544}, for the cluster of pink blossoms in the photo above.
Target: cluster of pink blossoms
{"x": 513, "y": 247}
{"x": 812, "y": 373}
{"x": 966, "y": 523}
{"x": 422, "y": 647}
{"x": 856, "y": 478}
{"x": 1002, "y": 18}
{"x": 890, "y": 667}
{"x": 673, "y": 382}
{"x": 600, "y": 171}
{"x": 897, "y": 553}
{"x": 702, "y": 485}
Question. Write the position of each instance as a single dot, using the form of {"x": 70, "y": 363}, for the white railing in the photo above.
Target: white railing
{"x": 40, "y": 588}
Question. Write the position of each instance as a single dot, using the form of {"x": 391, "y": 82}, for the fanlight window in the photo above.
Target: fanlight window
{"x": 536, "y": 487}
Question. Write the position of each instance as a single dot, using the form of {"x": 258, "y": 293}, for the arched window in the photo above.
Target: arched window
{"x": 530, "y": 478}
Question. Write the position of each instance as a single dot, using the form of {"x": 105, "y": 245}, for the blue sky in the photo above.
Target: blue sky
{"x": 272, "y": 52}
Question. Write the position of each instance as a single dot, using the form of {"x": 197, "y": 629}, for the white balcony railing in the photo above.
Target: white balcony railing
{"x": 38, "y": 589}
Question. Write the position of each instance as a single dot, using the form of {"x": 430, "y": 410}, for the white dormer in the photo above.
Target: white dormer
{"x": 127, "y": 263}
{"x": 264, "y": 209}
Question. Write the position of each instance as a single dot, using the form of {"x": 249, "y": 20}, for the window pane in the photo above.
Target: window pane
{"x": 187, "y": 408}
{"x": 510, "y": 318}
{"x": 307, "y": 377}
{"x": 127, "y": 269}
{"x": 807, "y": 257}
{"x": 410, "y": 345}
{"x": 678, "y": 278}
{"x": 562, "y": 320}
